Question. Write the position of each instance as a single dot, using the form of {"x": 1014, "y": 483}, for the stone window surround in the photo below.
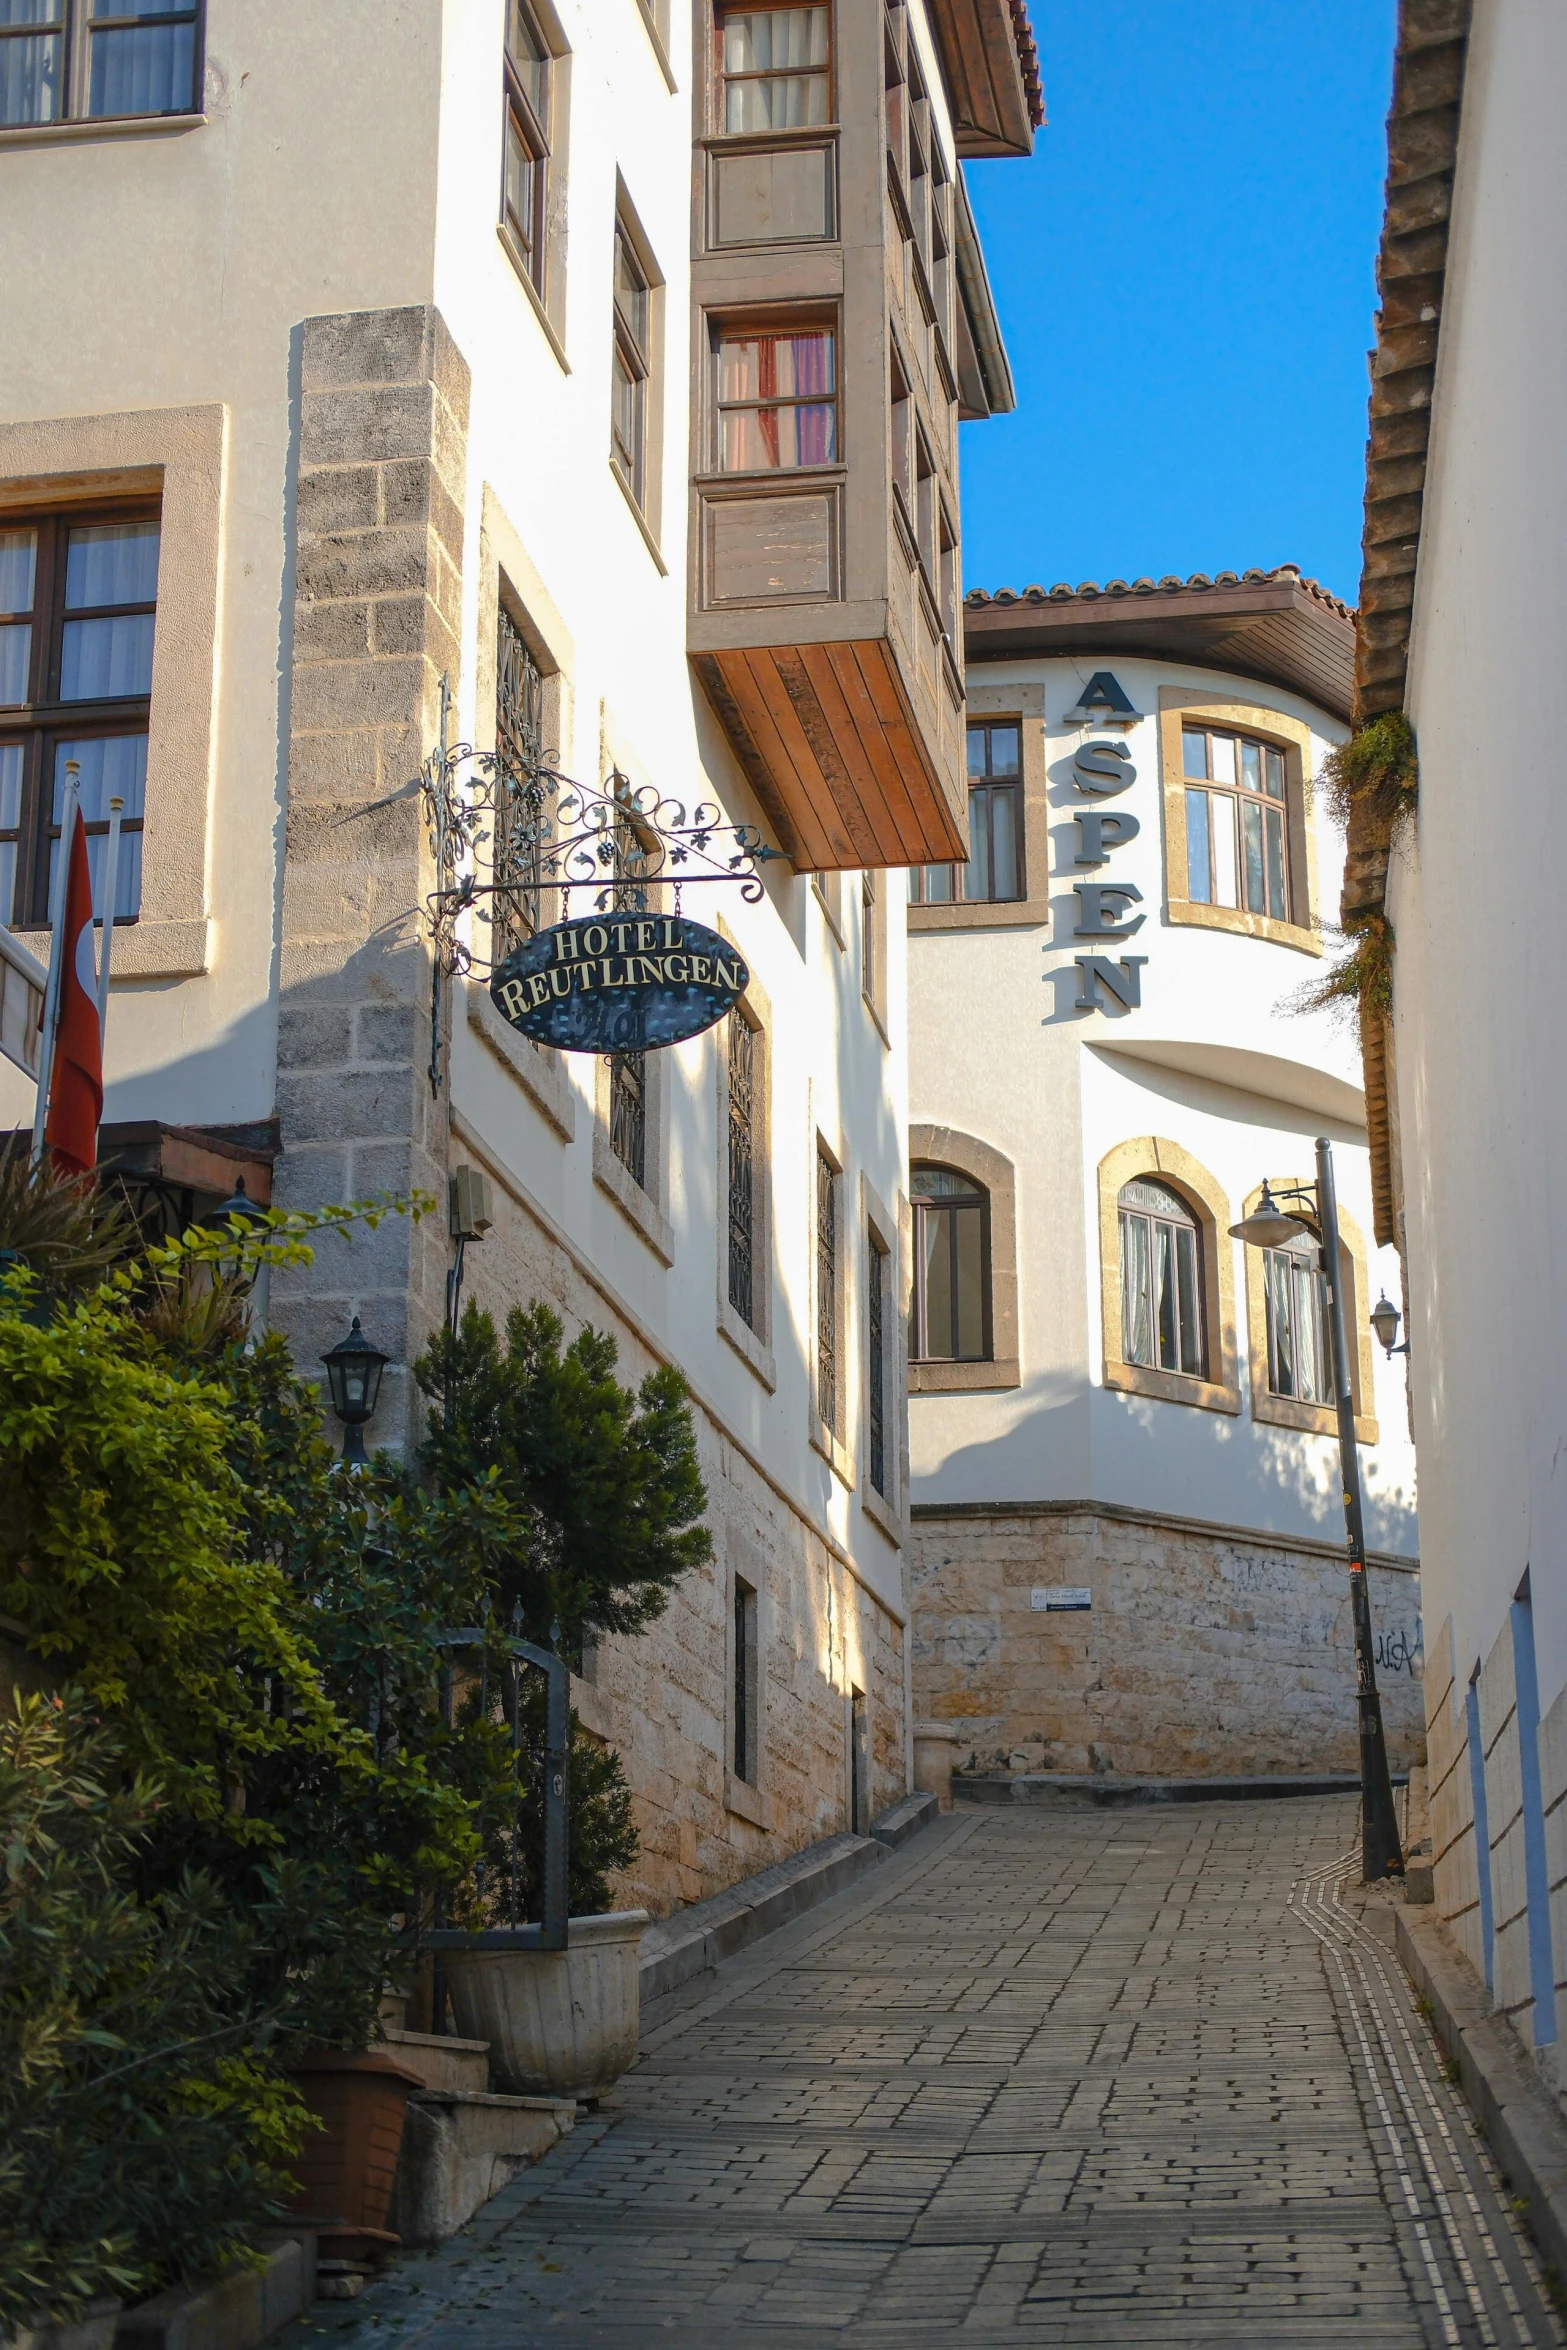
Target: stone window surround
{"x": 1291, "y": 736}
{"x": 746, "y": 1797}
{"x": 885, "y": 1510}
{"x": 177, "y": 455}
{"x": 549, "y": 307}
{"x": 1031, "y": 911}
{"x": 754, "y": 1346}
{"x": 1155, "y": 1156}
{"x": 830, "y": 1438}
{"x": 1282, "y": 1411}
{"x": 506, "y": 574}
{"x": 944, "y": 1146}
{"x": 643, "y": 1208}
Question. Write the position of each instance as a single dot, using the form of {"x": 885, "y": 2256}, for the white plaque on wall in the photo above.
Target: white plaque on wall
{"x": 1060, "y": 1595}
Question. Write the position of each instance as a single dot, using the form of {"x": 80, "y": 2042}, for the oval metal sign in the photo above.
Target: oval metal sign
{"x": 619, "y": 983}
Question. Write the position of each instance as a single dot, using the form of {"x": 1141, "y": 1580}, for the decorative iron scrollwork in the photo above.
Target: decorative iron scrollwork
{"x": 543, "y": 838}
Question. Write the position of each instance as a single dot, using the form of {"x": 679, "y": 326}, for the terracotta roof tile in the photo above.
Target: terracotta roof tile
{"x": 1089, "y": 591}
{"x": 1028, "y": 63}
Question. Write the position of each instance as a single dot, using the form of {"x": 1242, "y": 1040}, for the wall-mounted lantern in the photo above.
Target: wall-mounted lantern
{"x": 353, "y": 1369}
{"x": 1385, "y": 1318}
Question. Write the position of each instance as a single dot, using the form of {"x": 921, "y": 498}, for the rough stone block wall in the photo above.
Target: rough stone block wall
{"x": 1203, "y": 1651}
{"x": 662, "y": 1699}
{"x": 1553, "y": 1792}
{"x": 1452, "y": 1802}
{"x": 378, "y": 532}
{"x": 1511, "y": 1982}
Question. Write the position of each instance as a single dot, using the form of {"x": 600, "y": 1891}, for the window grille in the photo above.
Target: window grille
{"x": 826, "y": 1290}
{"x": 876, "y": 1339}
{"x": 1300, "y": 1349}
{"x": 519, "y": 798}
{"x": 745, "y": 1691}
{"x": 951, "y": 1267}
{"x": 78, "y": 604}
{"x": 1161, "y": 1281}
{"x": 628, "y": 1113}
{"x": 742, "y": 1167}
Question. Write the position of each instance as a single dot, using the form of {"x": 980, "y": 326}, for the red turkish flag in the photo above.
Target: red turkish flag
{"x": 76, "y": 1086}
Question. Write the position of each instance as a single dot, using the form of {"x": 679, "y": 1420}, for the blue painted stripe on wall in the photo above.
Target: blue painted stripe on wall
{"x": 1537, "y": 1876}
{"x": 1482, "y": 1825}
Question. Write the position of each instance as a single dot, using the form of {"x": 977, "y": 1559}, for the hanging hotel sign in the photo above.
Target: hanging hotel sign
{"x": 619, "y": 983}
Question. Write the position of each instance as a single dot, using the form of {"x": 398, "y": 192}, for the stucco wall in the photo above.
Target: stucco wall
{"x": 1204, "y": 1651}
{"x": 1481, "y": 963}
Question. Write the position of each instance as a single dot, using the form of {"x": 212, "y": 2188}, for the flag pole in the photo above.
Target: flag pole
{"x": 111, "y": 882}
{"x": 51, "y": 1018}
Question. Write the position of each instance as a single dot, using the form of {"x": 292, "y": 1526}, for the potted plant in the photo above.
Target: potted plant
{"x": 607, "y": 1504}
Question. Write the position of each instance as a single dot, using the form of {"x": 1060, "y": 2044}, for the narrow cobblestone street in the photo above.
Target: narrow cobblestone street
{"x": 1142, "y": 2076}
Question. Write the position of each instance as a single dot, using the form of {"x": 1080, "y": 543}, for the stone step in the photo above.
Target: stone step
{"x": 460, "y": 2147}
{"x": 441, "y": 2062}
{"x": 1101, "y": 1788}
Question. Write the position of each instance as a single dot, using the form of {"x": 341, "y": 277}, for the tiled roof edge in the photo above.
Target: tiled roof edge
{"x": 1422, "y": 153}
{"x": 1028, "y": 63}
{"x": 1089, "y": 591}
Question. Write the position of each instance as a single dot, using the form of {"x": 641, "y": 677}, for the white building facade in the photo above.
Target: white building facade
{"x": 1463, "y": 587}
{"x": 478, "y": 356}
{"x": 1128, "y": 1534}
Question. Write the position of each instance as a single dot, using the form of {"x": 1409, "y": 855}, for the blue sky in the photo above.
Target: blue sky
{"x": 1184, "y": 272}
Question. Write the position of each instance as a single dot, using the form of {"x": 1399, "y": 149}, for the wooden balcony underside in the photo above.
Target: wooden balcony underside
{"x": 834, "y": 753}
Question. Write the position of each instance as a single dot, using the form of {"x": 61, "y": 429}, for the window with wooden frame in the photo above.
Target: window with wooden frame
{"x": 632, "y": 366}
{"x": 951, "y": 1319}
{"x": 1237, "y": 821}
{"x": 1161, "y": 1281}
{"x": 895, "y": 43}
{"x": 925, "y": 507}
{"x": 902, "y": 442}
{"x": 1300, "y": 1344}
{"x": 994, "y": 872}
{"x": 941, "y": 235}
{"x": 772, "y": 67}
{"x": 918, "y": 190}
{"x": 98, "y": 60}
{"x": 78, "y": 603}
{"x": 776, "y": 398}
{"x": 529, "y": 77}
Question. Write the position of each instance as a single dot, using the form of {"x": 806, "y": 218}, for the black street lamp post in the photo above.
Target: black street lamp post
{"x": 353, "y": 1369}
{"x": 1267, "y": 1227}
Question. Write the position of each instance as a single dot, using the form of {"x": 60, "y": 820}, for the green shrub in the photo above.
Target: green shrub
{"x": 603, "y": 1483}
{"x": 143, "y": 2133}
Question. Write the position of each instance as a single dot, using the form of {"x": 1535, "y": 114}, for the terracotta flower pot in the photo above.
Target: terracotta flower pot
{"x": 560, "y": 2023}
{"x": 347, "y": 2168}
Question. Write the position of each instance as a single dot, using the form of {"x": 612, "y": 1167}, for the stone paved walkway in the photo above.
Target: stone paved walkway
{"x": 1141, "y": 2077}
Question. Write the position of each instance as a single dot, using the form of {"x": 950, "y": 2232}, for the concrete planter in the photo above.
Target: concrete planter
{"x": 93, "y": 2330}
{"x": 560, "y": 2023}
{"x": 935, "y": 1751}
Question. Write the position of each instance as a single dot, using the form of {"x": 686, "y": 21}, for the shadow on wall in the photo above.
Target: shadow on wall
{"x": 1168, "y": 1457}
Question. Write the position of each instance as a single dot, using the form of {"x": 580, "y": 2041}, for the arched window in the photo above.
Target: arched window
{"x": 951, "y": 1267}
{"x": 1161, "y": 1280}
{"x": 1300, "y": 1344}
